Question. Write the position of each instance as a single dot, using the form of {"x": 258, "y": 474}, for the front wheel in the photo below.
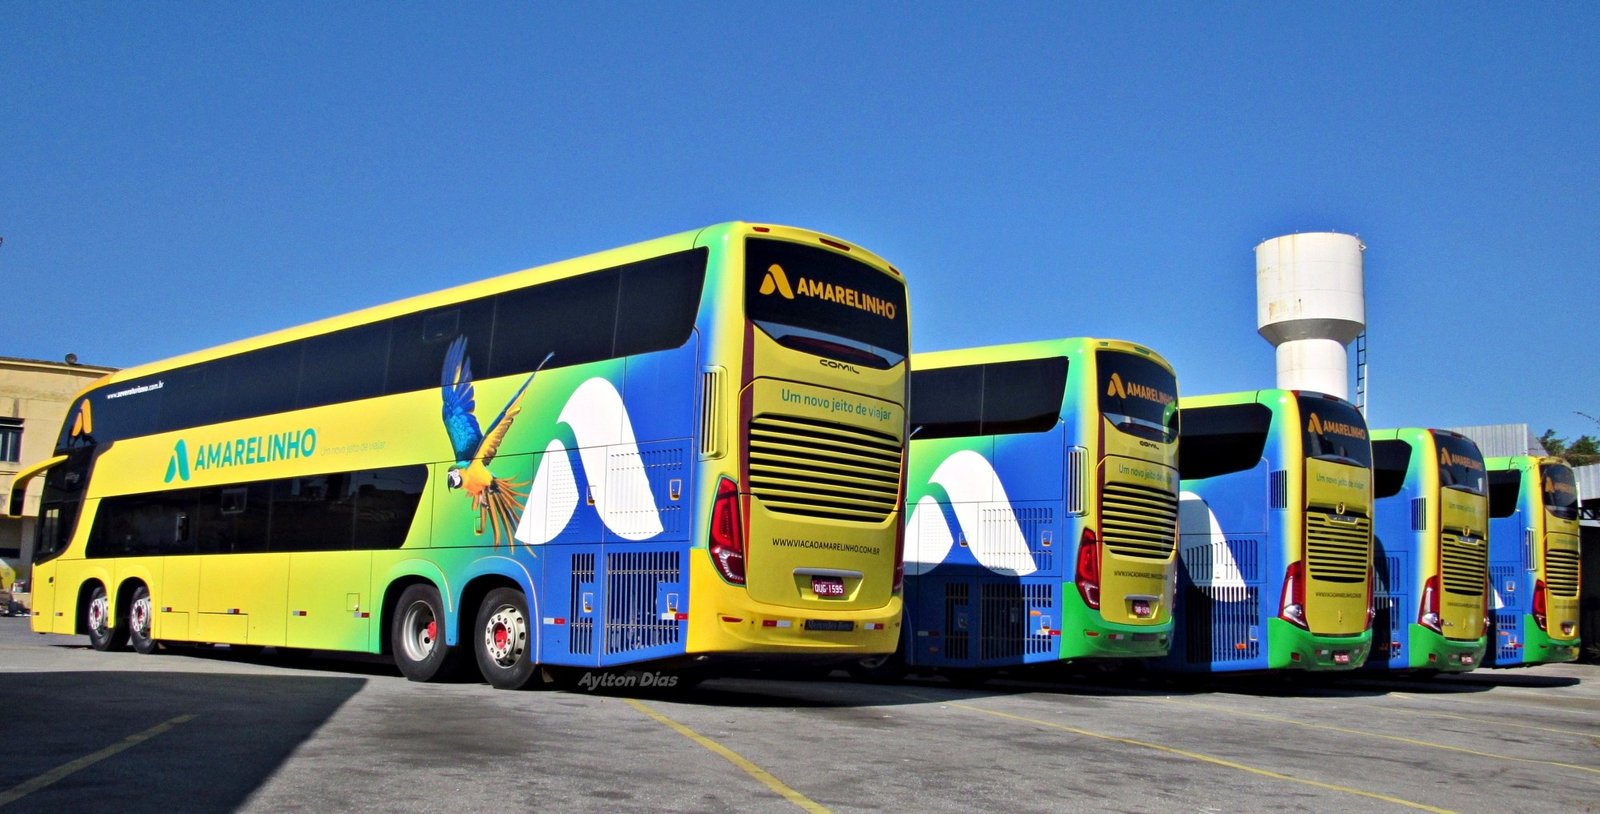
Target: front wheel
{"x": 139, "y": 618}
{"x": 503, "y": 640}
{"x": 417, "y": 636}
{"x": 104, "y": 633}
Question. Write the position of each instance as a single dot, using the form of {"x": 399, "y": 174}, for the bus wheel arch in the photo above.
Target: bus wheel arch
{"x": 96, "y": 617}
{"x": 415, "y": 626}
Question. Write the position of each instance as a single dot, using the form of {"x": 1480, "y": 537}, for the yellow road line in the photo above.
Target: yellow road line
{"x": 1204, "y": 758}
{"x": 1401, "y": 739}
{"x": 766, "y": 778}
{"x": 28, "y": 787}
{"x": 1496, "y": 722}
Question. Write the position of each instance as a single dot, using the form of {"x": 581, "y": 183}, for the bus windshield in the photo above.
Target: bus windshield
{"x": 1560, "y": 490}
{"x": 824, "y": 303}
{"x": 1334, "y": 431}
{"x": 1138, "y": 395}
{"x": 1460, "y": 464}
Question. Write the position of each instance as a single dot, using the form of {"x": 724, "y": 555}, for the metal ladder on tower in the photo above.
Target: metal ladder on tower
{"x": 1361, "y": 373}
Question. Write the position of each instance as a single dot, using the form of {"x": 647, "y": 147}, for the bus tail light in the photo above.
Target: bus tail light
{"x": 1088, "y": 574}
{"x": 1538, "y": 605}
{"x": 1292, "y": 602}
{"x": 1428, "y": 613}
{"x": 727, "y": 532}
{"x": 899, "y": 556}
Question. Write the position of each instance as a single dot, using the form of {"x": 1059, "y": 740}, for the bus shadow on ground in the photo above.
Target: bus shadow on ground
{"x": 155, "y": 741}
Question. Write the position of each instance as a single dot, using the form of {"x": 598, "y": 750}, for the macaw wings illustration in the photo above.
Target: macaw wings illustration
{"x": 460, "y": 402}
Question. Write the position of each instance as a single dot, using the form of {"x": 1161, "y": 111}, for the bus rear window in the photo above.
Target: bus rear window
{"x": 826, "y": 304}
{"x": 1138, "y": 395}
{"x": 1460, "y": 464}
{"x": 1334, "y": 431}
{"x": 1560, "y": 490}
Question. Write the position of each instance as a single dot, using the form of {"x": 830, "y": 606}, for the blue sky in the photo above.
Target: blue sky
{"x": 177, "y": 175}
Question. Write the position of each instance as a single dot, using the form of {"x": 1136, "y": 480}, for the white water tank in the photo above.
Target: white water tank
{"x": 1310, "y": 304}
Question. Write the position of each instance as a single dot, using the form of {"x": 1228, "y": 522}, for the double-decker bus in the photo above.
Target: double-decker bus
{"x": 1431, "y": 551}
{"x": 1275, "y": 533}
{"x": 681, "y": 449}
{"x": 1533, "y": 561}
{"x": 1042, "y": 504}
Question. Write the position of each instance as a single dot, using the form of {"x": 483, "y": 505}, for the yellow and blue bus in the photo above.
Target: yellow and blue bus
{"x": 1533, "y": 561}
{"x": 1431, "y": 555}
{"x": 1275, "y": 533}
{"x": 682, "y": 449}
{"x": 1042, "y": 504}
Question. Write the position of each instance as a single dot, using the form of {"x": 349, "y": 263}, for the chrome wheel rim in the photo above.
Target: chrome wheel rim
{"x": 139, "y": 617}
{"x": 99, "y": 610}
{"x": 505, "y": 636}
{"x": 421, "y": 631}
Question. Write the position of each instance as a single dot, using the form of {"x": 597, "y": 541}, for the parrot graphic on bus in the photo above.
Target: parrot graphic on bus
{"x": 497, "y": 500}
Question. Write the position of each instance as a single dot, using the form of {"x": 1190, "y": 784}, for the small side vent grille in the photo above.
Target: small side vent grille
{"x": 1466, "y": 564}
{"x": 635, "y": 617}
{"x": 1561, "y": 571}
{"x": 1278, "y": 483}
{"x": 1528, "y": 547}
{"x": 1139, "y": 522}
{"x": 957, "y": 641}
{"x": 711, "y": 445}
{"x": 580, "y": 620}
{"x": 1077, "y": 480}
{"x": 1338, "y": 548}
{"x": 1419, "y": 514}
{"x": 820, "y": 469}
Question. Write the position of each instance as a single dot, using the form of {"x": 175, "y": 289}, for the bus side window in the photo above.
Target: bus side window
{"x": 1223, "y": 439}
{"x": 1505, "y": 487}
{"x": 1390, "y": 459}
{"x": 947, "y": 402}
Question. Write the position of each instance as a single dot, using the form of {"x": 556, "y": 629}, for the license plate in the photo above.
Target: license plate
{"x": 1341, "y": 657}
{"x": 828, "y": 587}
{"x": 829, "y": 624}
{"x": 1141, "y": 608}
{"x": 1466, "y": 659}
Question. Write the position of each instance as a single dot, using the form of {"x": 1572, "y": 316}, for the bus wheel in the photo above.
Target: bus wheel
{"x": 884, "y": 669}
{"x": 417, "y": 636}
{"x": 504, "y": 640}
{"x": 97, "y": 618}
{"x": 139, "y": 616}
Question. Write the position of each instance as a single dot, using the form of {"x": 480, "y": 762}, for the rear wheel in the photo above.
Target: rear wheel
{"x": 104, "y": 634}
{"x": 884, "y": 669}
{"x": 417, "y": 636}
{"x": 139, "y": 619}
{"x": 503, "y": 640}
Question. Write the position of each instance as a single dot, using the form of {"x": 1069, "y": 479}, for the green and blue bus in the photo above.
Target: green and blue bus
{"x": 1533, "y": 561}
{"x": 685, "y": 451}
{"x": 1042, "y": 505}
{"x": 1275, "y": 534}
{"x": 1431, "y": 556}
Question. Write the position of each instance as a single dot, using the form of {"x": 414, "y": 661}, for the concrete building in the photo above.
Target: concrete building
{"x": 34, "y": 397}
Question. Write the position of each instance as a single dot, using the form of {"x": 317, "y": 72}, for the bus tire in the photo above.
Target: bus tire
{"x": 885, "y": 669}
{"x": 140, "y": 616}
{"x": 97, "y": 618}
{"x": 503, "y": 640}
{"x": 417, "y": 635}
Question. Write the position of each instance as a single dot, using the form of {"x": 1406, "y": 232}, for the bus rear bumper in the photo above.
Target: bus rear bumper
{"x": 1540, "y": 647}
{"x": 1084, "y": 634}
{"x": 1295, "y": 648}
{"x": 1431, "y": 651}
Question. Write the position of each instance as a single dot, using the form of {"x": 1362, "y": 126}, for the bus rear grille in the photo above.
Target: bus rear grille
{"x": 1338, "y": 550}
{"x": 1466, "y": 564}
{"x": 1139, "y": 522}
{"x": 1561, "y": 571}
{"x": 820, "y": 469}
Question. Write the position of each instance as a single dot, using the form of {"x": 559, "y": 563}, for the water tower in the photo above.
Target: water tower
{"x": 1310, "y": 304}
